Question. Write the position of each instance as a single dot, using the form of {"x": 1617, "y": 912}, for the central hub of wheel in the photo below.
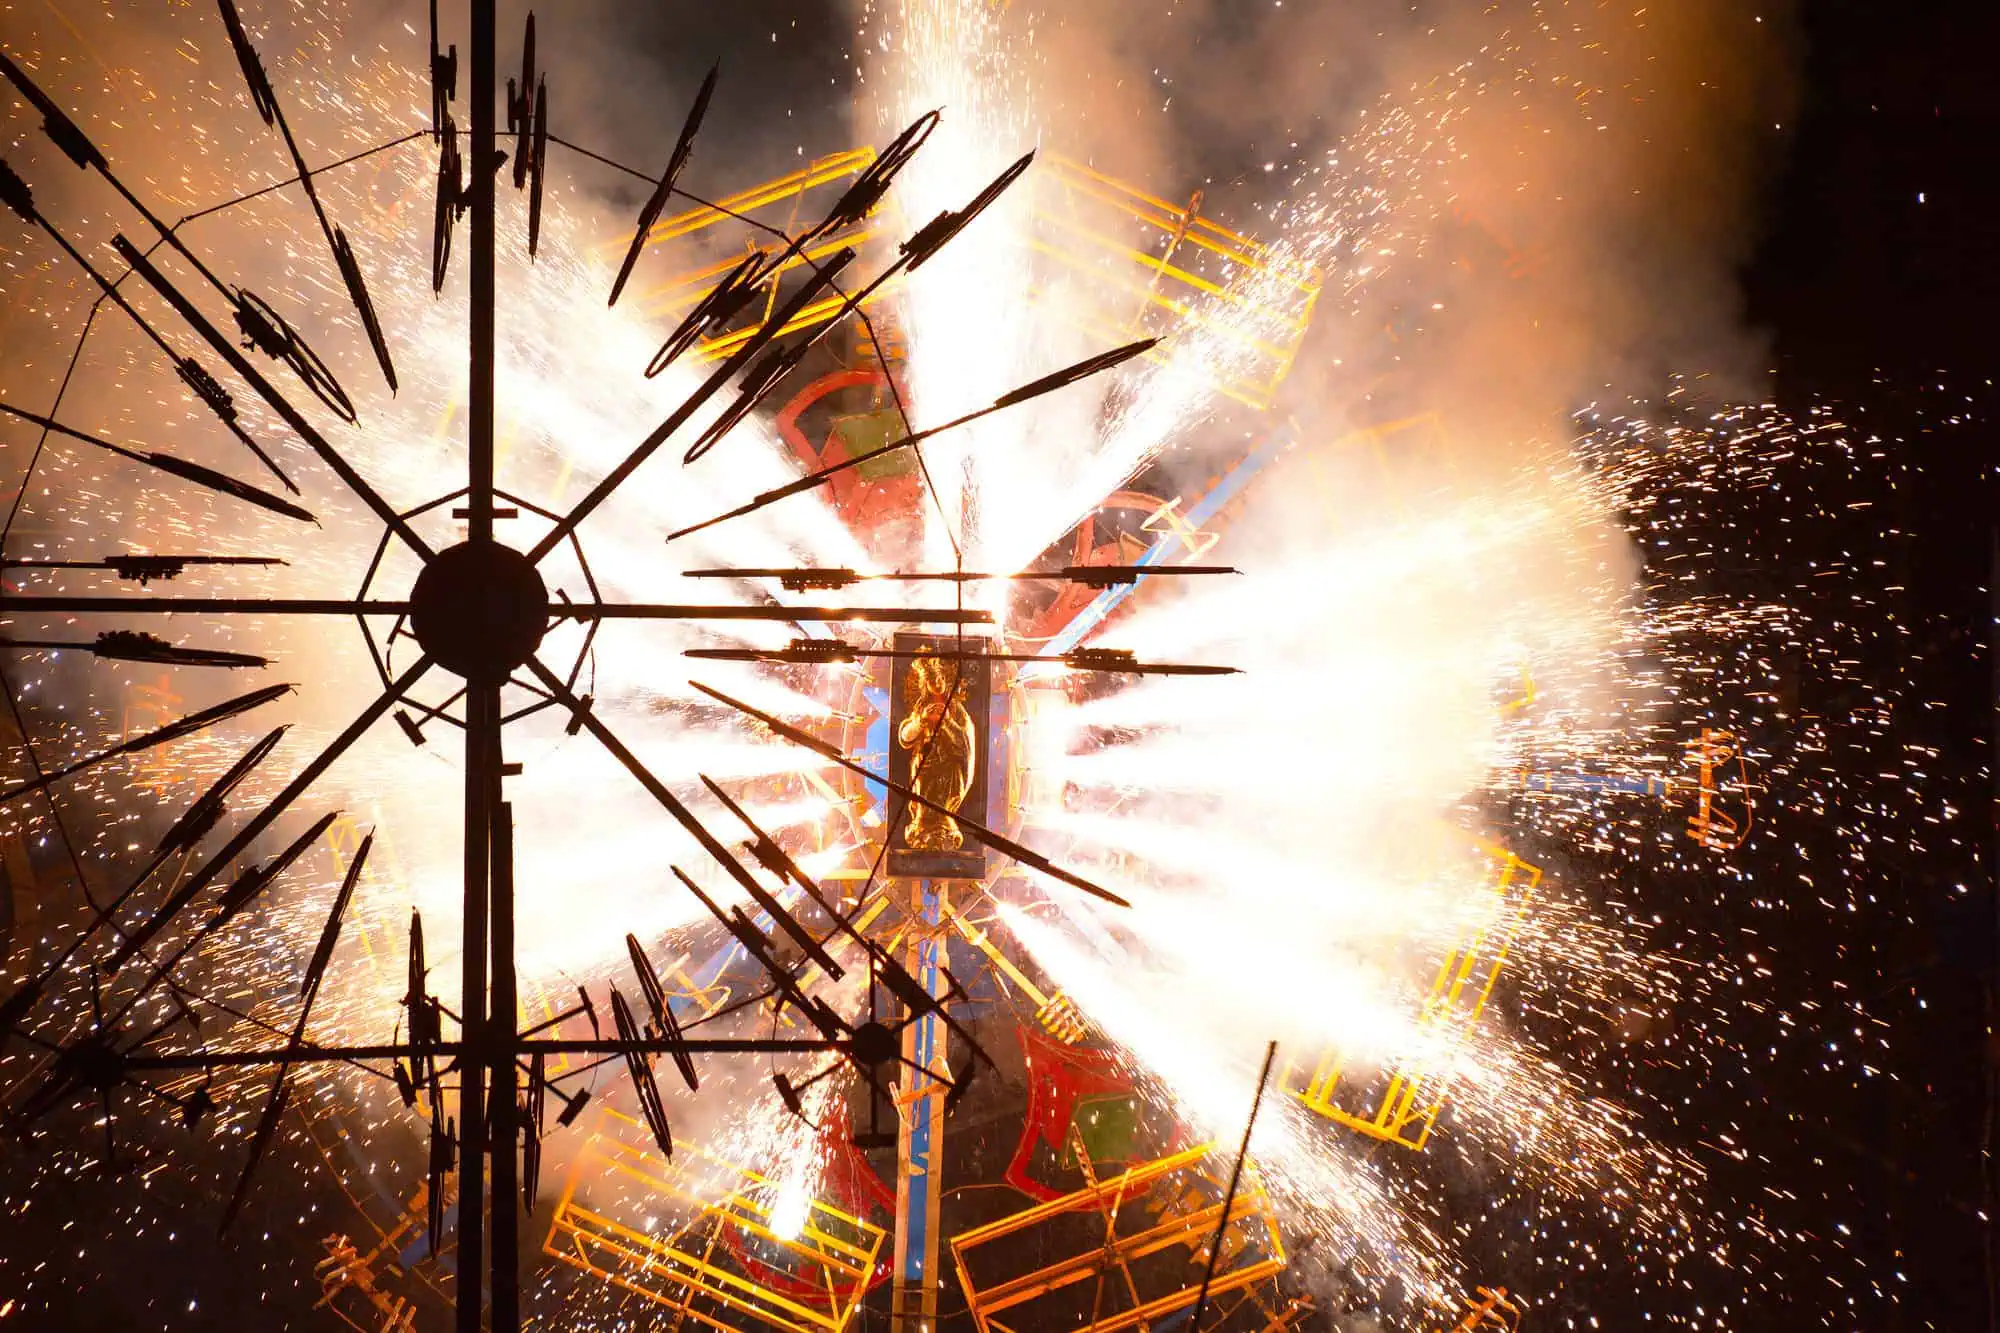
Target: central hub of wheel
{"x": 874, "y": 1045}
{"x": 480, "y": 610}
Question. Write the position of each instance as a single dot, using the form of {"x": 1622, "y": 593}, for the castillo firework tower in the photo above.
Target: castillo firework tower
{"x": 848, "y": 943}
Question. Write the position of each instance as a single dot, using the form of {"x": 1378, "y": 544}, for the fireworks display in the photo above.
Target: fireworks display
{"x": 1521, "y": 732}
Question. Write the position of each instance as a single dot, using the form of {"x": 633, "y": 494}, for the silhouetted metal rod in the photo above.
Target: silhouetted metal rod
{"x": 155, "y": 604}
{"x": 860, "y": 198}
{"x": 736, "y": 288}
{"x": 759, "y": 945}
{"x": 141, "y": 568}
{"x": 186, "y": 833}
{"x": 444, "y": 79}
{"x": 676, "y": 162}
{"x": 685, "y": 818}
{"x": 646, "y": 448}
{"x": 810, "y": 578}
{"x": 765, "y": 376}
{"x": 174, "y": 467}
{"x": 172, "y": 731}
{"x": 268, "y": 815}
{"x": 1229, "y": 1195}
{"x": 666, "y": 1026}
{"x": 998, "y": 842}
{"x": 266, "y": 101}
{"x": 886, "y": 970}
{"x": 424, "y": 1022}
{"x": 274, "y": 1104}
{"x": 773, "y": 857}
{"x": 779, "y": 862}
{"x": 125, "y": 645}
{"x": 933, "y": 235}
{"x": 521, "y": 106}
{"x": 770, "y": 905}
{"x": 242, "y": 891}
{"x": 641, "y": 1073}
{"x": 912, "y": 615}
{"x": 450, "y": 205}
{"x": 192, "y": 373}
{"x": 308, "y": 606}
{"x": 285, "y": 183}
{"x": 264, "y": 389}
{"x": 538, "y": 157}
{"x": 487, "y": 1020}
{"x": 1033, "y": 389}
{"x": 532, "y": 1131}
{"x": 730, "y": 295}
{"x": 817, "y": 652}
{"x": 330, "y": 933}
{"x": 261, "y": 324}
{"x": 310, "y": 1052}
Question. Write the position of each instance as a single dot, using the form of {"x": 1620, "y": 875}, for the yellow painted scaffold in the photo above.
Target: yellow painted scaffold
{"x": 702, "y": 1241}
{"x": 1401, "y": 1104}
{"x": 1111, "y": 260}
{"x": 1135, "y": 1245}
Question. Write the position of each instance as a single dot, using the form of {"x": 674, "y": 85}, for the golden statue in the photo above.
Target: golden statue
{"x": 937, "y": 731}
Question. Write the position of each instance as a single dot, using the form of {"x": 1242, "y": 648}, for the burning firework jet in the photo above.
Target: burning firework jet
{"x": 1310, "y": 812}
{"x": 594, "y": 851}
{"x": 1305, "y": 815}
{"x": 971, "y": 335}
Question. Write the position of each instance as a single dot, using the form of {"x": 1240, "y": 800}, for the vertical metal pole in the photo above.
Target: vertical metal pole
{"x": 1990, "y": 1165}
{"x": 920, "y": 1159}
{"x": 480, "y": 718}
{"x": 479, "y": 393}
{"x": 482, "y": 703}
{"x": 502, "y": 1029}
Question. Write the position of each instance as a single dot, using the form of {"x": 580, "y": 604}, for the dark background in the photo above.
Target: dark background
{"x": 1877, "y": 282}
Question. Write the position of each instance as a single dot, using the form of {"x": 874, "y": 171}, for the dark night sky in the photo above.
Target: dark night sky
{"x": 1880, "y": 258}
{"x": 1880, "y": 250}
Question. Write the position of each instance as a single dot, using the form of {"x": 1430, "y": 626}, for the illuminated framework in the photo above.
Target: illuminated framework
{"x": 692, "y": 1265}
{"x": 1721, "y": 797}
{"x": 1141, "y": 265}
{"x": 1131, "y": 265}
{"x": 1137, "y": 1243}
{"x": 1490, "y": 1310}
{"x": 1401, "y": 1104}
